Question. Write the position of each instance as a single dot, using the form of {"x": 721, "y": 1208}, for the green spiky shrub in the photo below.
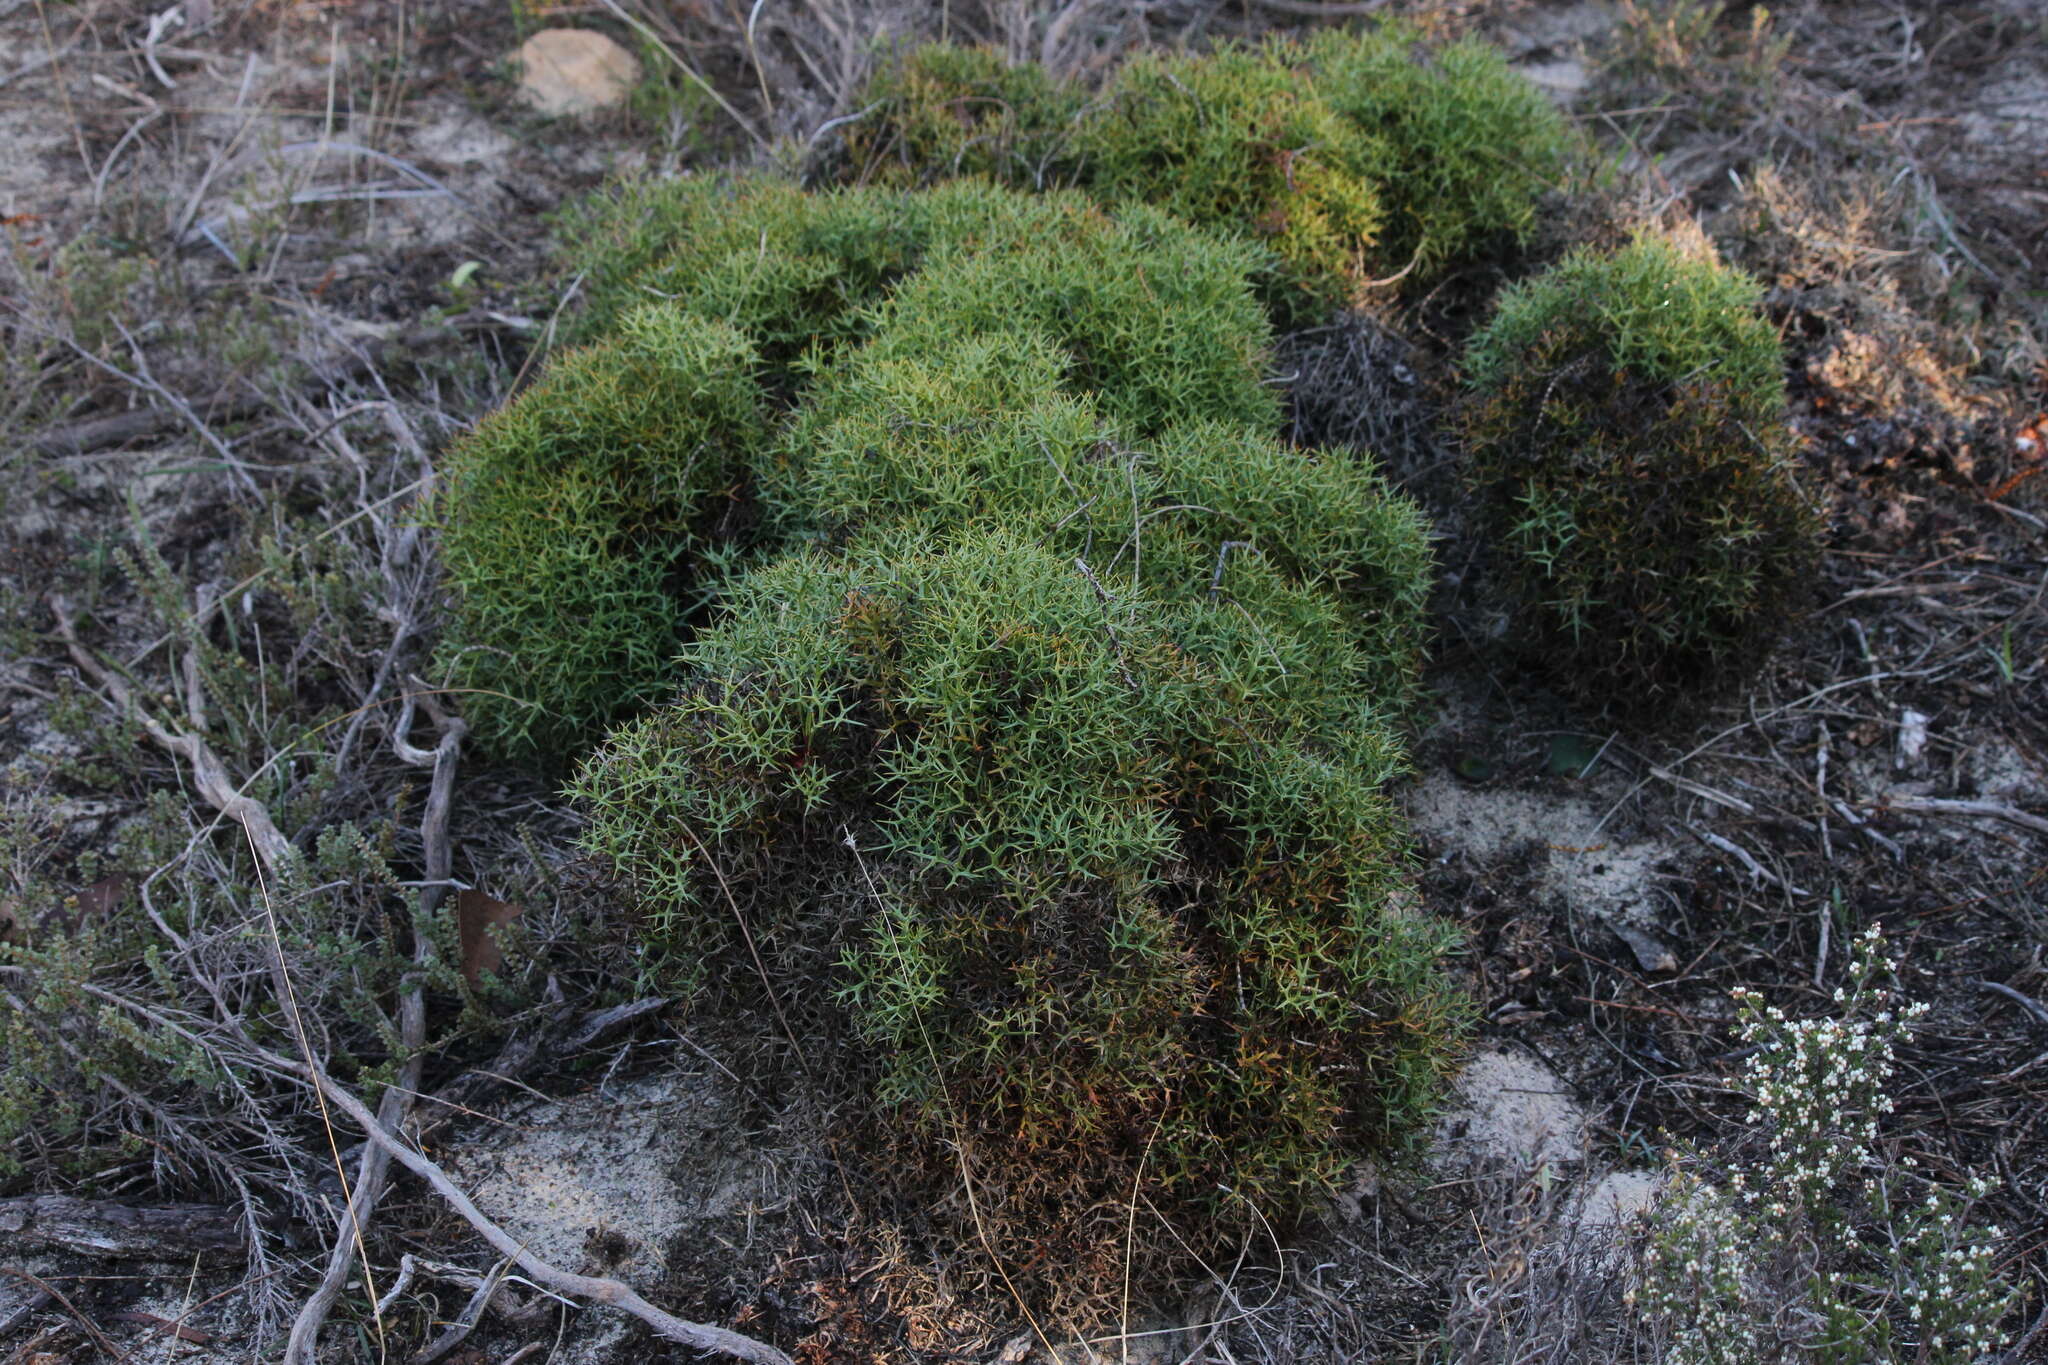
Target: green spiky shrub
{"x": 615, "y": 494}
{"x": 794, "y": 271}
{"x": 804, "y": 276}
{"x": 1239, "y": 141}
{"x": 1355, "y": 155}
{"x": 989, "y": 433}
{"x": 584, "y": 522}
{"x": 942, "y": 112}
{"x": 1155, "y": 319}
{"x": 790, "y": 270}
{"x": 1465, "y": 146}
{"x": 1628, "y": 436}
{"x": 1119, "y": 916}
{"x": 1098, "y": 678}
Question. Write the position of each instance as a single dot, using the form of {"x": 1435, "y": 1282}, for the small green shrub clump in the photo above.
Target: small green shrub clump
{"x": 614, "y": 494}
{"x": 1156, "y": 320}
{"x": 1814, "y": 1244}
{"x": 943, "y": 112}
{"x": 1465, "y": 146}
{"x": 1354, "y": 155}
{"x": 585, "y": 521}
{"x": 1238, "y": 140}
{"x": 1122, "y": 920}
{"x": 1042, "y": 722}
{"x": 989, "y": 435}
{"x": 790, "y": 270}
{"x": 1159, "y": 318}
{"x": 1628, "y": 435}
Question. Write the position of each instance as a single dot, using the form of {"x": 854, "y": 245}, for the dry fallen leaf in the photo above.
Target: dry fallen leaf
{"x": 475, "y": 913}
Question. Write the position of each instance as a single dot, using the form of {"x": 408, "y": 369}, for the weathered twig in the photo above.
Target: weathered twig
{"x": 1983, "y": 810}
{"x": 597, "y": 1289}
{"x": 1743, "y": 856}
{"x": 37, "y": 1300}
{"x": 2025, "y": 1002}
{"x": 396, "y": 1105}
{"x": 209, "y": 774}
{"x": 567, "y": 1036}
{"x": 465, "y": 1321}
{"x": 231, "y": 404}
{"x": 95, "y": 1227}
{"x": 90, "y": 1327}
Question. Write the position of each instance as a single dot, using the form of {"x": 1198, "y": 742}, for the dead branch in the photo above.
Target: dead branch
{"x": 396, "y": 1106}
{"x": 567, "y": 1035}
{"x": 227, "y": 405}
{"x": 598, "y": 1289}
{"x": 95, "y": 1227}
{"x": 1983, "y": 810}
{"x": 1742, "y": 855}
{"x": 1308, "y": 9}
{"x": 465, "y": 1321}
{"x": 86, "y": 1324}
{"x": 209, "y": 774}
{"x": 2026, "y": 1002}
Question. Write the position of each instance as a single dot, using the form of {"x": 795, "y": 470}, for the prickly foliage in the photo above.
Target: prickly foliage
{"x": 584, "y": 522}
{"x": 1465, "y": 146}
{"x": 942, "y": 112}
{"x": 1238, "y": 141}
{"x": 1353, "y": 155}
{"x": 1628, "y": 435}
{"x": 991, "y": 433}
{"x": 1052, "y": 751}
{"x": 1118, "y": 912}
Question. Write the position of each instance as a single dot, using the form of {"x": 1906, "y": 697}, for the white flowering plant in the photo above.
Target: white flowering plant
{"x": 1809, "y": 1245}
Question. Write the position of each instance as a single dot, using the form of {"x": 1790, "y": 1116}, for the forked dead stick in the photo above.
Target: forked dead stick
{"x": 209, "y": 774}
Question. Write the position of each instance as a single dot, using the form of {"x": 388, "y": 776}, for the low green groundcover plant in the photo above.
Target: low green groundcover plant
{"x": 1628, "y": 438}
{"x": 1038, "y": 724}
{"x": 1466, "y": 146}
{"x": 583, "y": 523}
{"x": 1237, "y": 140}
{"x": 1121, "y": 920}
{"x": 991, "y": 433}
{"x": 943, "y": 111}
{"x": 1356, "y": 154}
{"x": 587, "y": 523}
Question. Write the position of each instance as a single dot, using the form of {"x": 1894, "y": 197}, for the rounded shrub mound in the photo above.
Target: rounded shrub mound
{"x": 1143, "y": 303}
{"x": 617, "y": 492}
{"x": 1039, "y": 726}
{"x": 1157, "y": 320}
{"x": 1628, "y": 434}
{"x": 988, "y": 434}
{"x": 1352, "y": 156}
{"x": 943, "y": 111}
{"x": 1237, "y": 140}
{"x": 586, "y": 520}
{"x": 1118, "y": 920}
{"x": 1465, "y": 146}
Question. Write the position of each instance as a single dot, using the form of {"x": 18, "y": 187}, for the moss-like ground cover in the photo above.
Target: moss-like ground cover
{"x": 1033, "y": 699}
{"x": 969, "y": 638}
{"x": 1629, "y": 441}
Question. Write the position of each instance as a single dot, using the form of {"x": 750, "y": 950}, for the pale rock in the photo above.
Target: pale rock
{"x": 574, "y": 71}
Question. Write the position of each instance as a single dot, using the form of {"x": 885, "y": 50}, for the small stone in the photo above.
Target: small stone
{"x": 574, "y": 71}
{"x": 1912, "y": 737}
{"x": 1651, "y": 953}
